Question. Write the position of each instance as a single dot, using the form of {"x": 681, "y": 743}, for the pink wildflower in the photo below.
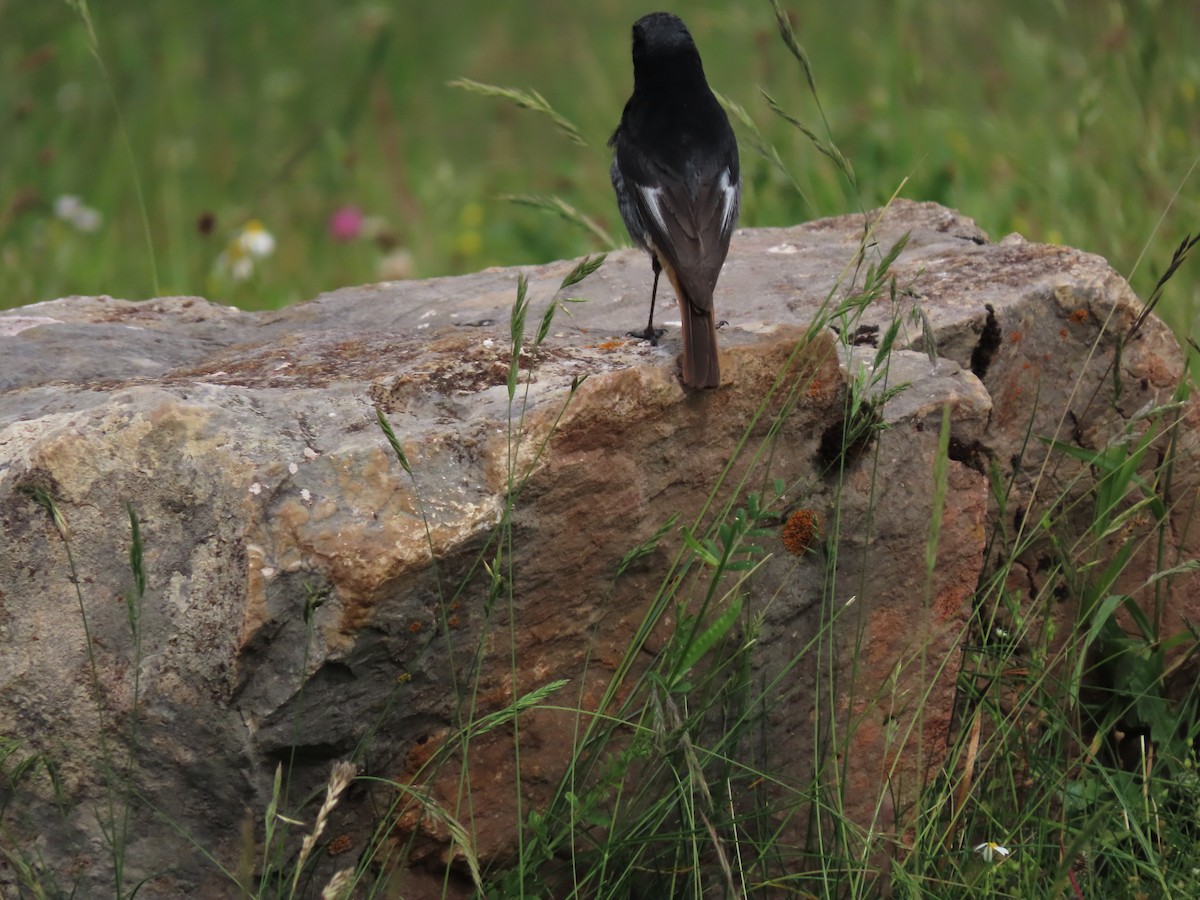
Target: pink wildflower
{"x": 346, "y": 223}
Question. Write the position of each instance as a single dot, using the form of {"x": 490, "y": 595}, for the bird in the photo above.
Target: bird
{"x": 677, "y": 178}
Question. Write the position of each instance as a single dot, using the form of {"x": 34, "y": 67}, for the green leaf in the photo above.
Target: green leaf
{"x": 1139, "y": 618}
{"x": 1100, "y": 618}
{"x": 706, "y": 554}
{"x": 708, "y": 638}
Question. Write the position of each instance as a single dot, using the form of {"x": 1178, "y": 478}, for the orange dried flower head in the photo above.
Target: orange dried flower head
{"x": 801, "y": 529}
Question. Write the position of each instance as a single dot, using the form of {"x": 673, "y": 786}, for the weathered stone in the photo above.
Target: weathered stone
{"x": 293, "y": 613}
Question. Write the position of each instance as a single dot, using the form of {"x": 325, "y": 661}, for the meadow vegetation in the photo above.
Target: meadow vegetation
{"x": 1074, "y": 769}
{"x": 1069, "y": 122}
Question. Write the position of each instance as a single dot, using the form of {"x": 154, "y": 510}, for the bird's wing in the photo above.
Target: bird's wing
{"x": 689, "y": 220}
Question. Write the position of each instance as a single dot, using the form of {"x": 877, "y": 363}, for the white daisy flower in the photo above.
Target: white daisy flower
{"x": 992, "y": 852}
{"x": 252, "y": 242}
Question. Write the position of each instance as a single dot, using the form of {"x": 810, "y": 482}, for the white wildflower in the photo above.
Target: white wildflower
{"x": 992, "y": 852}
{"x": 75, "y": 212}
{"x": 252, "y": 242}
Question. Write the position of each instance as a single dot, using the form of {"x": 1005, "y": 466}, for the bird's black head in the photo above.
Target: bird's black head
{"x": 662, "y": 41}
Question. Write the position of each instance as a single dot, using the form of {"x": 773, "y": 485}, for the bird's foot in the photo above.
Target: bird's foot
{"x": 649, "y": 334}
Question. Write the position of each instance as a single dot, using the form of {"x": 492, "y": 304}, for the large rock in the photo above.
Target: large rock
{"x": 307, "y": 599}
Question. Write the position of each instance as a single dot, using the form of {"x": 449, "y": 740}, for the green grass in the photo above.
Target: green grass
{"x": 1069, "y": 122}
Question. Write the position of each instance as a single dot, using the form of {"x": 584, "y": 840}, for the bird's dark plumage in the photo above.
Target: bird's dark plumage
{"x": 678, "y": 184}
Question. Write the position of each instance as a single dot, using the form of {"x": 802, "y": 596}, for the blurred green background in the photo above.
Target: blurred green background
{"x": 1071, "y": 122}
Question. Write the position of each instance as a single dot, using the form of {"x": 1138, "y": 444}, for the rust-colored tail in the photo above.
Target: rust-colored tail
{"x": 700, "y": 366}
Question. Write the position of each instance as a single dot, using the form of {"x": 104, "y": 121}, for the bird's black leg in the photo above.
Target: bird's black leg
{"x": 651, "y": 334}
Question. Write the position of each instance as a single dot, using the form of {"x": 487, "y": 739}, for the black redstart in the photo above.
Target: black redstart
{"x": 675, "y": 172}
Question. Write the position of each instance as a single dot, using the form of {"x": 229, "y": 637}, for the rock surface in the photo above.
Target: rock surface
{"x": 308, "y": 599}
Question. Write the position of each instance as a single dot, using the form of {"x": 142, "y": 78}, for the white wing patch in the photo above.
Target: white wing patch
{"x": 651, "y": 196}
{"x": 729, "y": 202}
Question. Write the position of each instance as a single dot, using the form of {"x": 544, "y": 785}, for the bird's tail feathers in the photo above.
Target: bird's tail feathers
{"x": 700, "y": 366}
